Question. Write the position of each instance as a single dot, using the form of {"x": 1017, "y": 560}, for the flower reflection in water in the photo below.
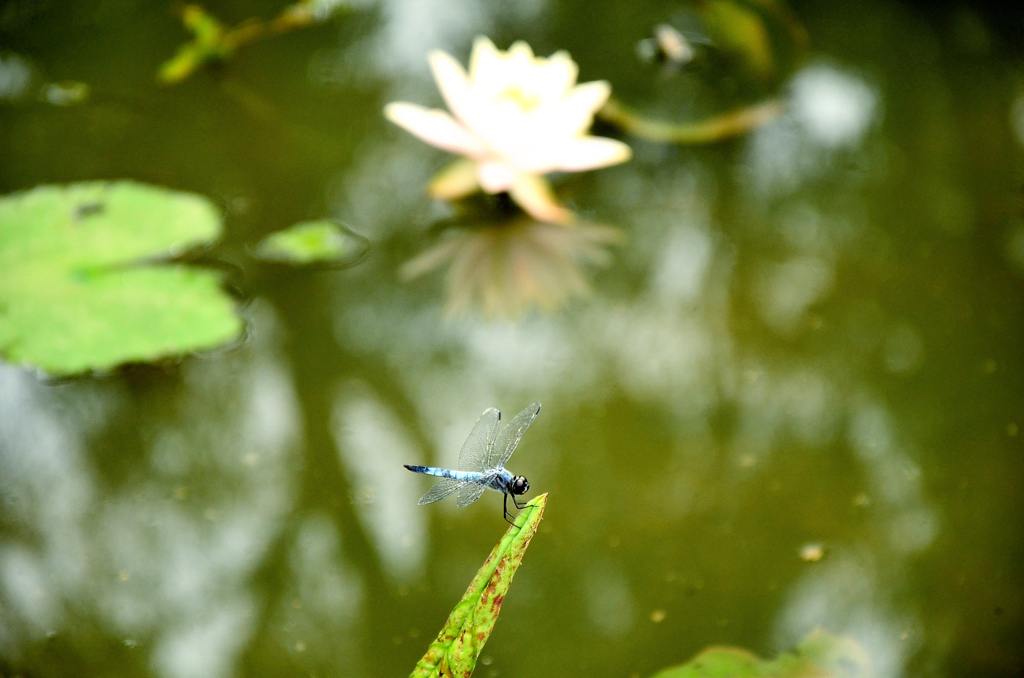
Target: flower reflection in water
{"x": 510, "y": 267}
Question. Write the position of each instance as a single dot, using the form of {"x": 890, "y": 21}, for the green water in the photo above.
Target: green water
{"x": 810, "y": 336}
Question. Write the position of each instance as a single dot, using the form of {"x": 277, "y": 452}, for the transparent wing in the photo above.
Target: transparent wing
{"x": 445, "y": 488}
{"x": 470, "y": 493}
{"x": 477, "y": 448}
{"x": 509, "y": 436}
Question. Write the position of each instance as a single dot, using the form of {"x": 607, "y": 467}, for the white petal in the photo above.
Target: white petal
{"x": 575, "y": 112}
{"x": 590, "y": 94}
{"x": 483, "y": 61}
{"x": 435, "y": 127}
{"x": 453, "y": 83}
{"x": 535, "y": 158}
{"x": 520, "y": 51}
{"x": 592, "y": 152}
{"x": 559, "y": 75}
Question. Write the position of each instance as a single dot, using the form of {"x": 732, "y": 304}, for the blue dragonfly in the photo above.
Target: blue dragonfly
{"x": 482, "y": 462}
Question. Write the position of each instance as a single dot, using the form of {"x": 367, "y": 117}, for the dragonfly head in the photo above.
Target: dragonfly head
{"x": 520, "y": 485}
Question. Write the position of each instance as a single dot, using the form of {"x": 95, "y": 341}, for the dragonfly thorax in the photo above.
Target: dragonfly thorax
{"x": 520, "y": 485}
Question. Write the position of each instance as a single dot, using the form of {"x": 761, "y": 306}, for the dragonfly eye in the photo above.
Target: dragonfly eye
{"x": 520, "y": 485}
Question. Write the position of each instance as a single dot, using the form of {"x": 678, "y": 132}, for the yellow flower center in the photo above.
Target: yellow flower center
{"x": 514, "y": 94}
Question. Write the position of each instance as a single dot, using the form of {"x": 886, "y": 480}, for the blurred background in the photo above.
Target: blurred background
{"x": 782, "y": 374}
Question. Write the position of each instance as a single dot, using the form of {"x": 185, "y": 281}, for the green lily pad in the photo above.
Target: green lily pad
{"x": 81, "y": 284}
{"x": 455, "y": 651}
{"x": 313, "y": 242}
{"x": 819, "y": 655}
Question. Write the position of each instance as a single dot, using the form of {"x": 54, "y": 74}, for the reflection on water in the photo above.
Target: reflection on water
{"x": 846, "y": 595}
{"x": 834, "y": 108}
{"x": 829, "y": 111}
{"x": 152, "y": 553}
{"x": 15, "y": 76}
{"x": 373, "y": 447}
{"x": 609, "y": 602}
{"x": 320, "y": 606}
{"x": 785, "y": 291}
{"x": 854, "y": 593}
{"x": 673, "y": 347}
{"x": 508, "y": 268}
{"x": 809, "y": 337}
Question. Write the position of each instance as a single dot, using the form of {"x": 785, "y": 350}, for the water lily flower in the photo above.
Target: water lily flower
{"x": 515, "y": 117}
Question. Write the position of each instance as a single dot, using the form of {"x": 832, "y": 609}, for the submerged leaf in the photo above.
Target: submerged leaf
{"x": 455, "y": 651}
{"x": 819, "y": 655}
{"x": 76, "y": 289}
{"x": 313, "y": 242}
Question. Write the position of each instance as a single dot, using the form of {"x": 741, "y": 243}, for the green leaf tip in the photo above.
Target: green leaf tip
{"x": 455, "y": 651}
{"x": 819, "y": 655}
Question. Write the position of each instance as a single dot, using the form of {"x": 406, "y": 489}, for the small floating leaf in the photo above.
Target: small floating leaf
{"x": 79, "y": 289}
{"x": 455, "y": 651}
{"x": 819, "y": 655}
{"x": 313, "y": 242}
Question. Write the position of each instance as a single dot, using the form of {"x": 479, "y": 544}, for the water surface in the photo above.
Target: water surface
{"x": 811, "y": 335}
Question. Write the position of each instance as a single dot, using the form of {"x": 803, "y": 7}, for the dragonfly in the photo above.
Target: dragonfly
{"x": 482, "y": 462}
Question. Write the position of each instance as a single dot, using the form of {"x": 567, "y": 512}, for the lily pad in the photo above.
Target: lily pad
{"x": 455, "y": 651}
{"x": 313, "y": 242}
{"x": 819, "y": 655}
{"x": 82, "y": 286}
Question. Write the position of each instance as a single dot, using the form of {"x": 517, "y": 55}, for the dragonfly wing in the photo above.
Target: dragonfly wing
{"x": 509, "y": 436}
{"x": 477, "y": 449}
{"x": 468, "y": 494}
{"x": 445, "y": 488}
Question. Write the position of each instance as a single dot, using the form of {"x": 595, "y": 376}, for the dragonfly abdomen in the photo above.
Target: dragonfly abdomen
{"x": 444, "y": 472}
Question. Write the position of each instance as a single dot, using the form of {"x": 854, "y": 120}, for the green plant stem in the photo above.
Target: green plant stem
{"x": 707, "y": 131}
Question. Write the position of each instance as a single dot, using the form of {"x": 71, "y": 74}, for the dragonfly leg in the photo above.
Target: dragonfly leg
{"x": 516, "y": 502}
{"x": 507, "y": 514}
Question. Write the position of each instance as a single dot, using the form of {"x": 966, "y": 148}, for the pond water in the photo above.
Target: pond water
{"x": 793, "y": 398}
